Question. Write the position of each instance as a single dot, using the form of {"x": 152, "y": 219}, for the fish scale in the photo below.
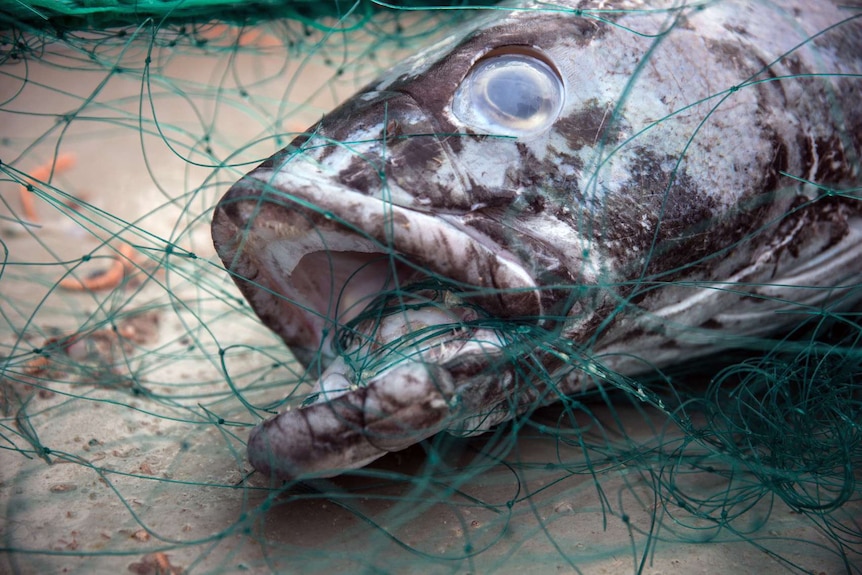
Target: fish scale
{"x": 596, "y": 188}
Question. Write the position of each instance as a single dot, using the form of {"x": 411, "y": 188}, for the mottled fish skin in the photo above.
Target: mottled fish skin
{"x": 697, "y": 182}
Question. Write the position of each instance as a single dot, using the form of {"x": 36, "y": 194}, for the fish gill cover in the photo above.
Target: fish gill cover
{"x": 665, "y": 412}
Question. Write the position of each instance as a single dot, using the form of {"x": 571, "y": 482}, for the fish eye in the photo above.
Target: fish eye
{"x": 512, "y": 91}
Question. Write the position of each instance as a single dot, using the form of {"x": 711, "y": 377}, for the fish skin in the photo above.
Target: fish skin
{"x": 677, "y": 203}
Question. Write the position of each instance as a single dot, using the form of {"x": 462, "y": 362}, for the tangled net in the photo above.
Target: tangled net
{"x": 131, "y": 369}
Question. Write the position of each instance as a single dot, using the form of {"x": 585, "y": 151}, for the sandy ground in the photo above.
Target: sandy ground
{"x": 123, "y": 451}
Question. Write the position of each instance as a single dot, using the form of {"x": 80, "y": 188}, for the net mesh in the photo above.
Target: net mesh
{"x": 132, "y": 370}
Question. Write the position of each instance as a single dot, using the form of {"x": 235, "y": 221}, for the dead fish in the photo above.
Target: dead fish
{"x": 554, "y": 193}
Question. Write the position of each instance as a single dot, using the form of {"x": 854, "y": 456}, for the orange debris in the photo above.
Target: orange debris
{"x": 108, "y": 279}
{"x": 60, "y": 163}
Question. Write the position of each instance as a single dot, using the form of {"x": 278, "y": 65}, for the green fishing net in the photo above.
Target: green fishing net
{"x": 132, "y": 370}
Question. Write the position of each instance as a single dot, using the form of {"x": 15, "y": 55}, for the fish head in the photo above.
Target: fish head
{"x": 379, "y": 245}
{"x": 512, "y": 179}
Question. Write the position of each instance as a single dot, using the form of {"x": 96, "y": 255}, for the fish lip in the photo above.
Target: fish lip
{"x": 352, "y": 429}
{"x": 270, "y": 219}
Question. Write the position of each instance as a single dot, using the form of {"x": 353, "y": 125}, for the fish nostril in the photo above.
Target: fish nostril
{"x": 393, "y": 130}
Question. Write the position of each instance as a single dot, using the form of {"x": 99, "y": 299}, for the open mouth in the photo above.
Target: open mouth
{"x": 377, "y": 299}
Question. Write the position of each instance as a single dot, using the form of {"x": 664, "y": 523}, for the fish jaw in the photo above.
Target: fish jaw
{"x": 444, "y": 383}
{"x": 400, "y": 378}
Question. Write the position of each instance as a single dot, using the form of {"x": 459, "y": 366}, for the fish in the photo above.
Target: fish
{"x": 551, "y": 196}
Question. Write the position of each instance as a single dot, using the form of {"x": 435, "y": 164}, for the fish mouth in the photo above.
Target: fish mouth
{"x": 311, "y": 254}
{"x": 379, "y": 300}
